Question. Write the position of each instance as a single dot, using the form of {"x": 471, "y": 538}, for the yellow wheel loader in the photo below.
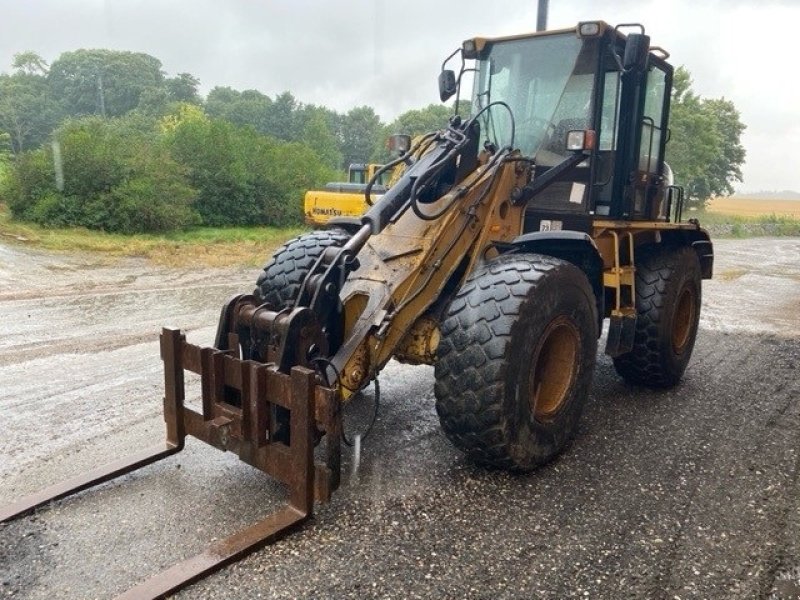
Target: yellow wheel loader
{"x": 497, "y": 255}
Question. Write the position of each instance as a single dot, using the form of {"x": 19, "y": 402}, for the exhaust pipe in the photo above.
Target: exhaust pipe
{"x": 541, "y": 15}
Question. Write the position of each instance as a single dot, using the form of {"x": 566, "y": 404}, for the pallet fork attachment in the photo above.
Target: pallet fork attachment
{"x": 245, "y": 429}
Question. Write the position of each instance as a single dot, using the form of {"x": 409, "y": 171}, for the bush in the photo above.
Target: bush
{"x": 292, "y": 169}
{"x": 144, "y": 204}
{"x": 29, "y": 178}
{"x": 135, "y": 174}
{"x": 117, "y": 176}
{"x": 243, "y": 177}
{"x": 212, "y": 154}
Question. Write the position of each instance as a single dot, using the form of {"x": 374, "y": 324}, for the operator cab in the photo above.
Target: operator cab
{"x": 361, "y": 174}
{"x": 610, "y": 90}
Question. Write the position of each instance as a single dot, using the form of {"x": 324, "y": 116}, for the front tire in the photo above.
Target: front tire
{"x": 279, "y": 285}
{"x": 668, "y": 294}
{"x": 280, "y": 280}
{"x": 516, "y": 359}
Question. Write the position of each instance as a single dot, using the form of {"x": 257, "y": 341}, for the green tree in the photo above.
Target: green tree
{"x": 249, "y": 109}
{"x": 726, "y": 167}
{"x": 281, "y": 119}
{"x": 704, "y": 150}
{"x": 104, "y": 82}
{"x": 212, "y": 150}
{"x": 361, "y": 127}
{"x": 412, "y": 122}
{"x": 108, "y": 174}
{"x": 464, "y": 108}
{"x": 183, "y": 88}
{"x": 241, "y": 108}
{"x": 5, "y": 147}
{"x": 28, "y": 111}
{"x": 318, "y": 136}
{"x": 294, "y": 169}
{"x": 243, "y": 177}
{"x": 218, "y": 100}
{"x": 422, "y": 120}
{"x": 5, "y": 164}
{"x": 153, "y": 102}
{"x": 29, "y": 63}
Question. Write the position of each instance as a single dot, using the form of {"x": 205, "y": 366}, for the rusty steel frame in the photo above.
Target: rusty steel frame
{"x": 244, "y": 430}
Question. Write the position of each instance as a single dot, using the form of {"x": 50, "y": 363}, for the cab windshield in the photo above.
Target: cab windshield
{"x": 548, "y": 81}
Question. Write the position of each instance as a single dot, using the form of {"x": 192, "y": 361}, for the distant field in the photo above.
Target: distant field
{"x": 744, "y": 206}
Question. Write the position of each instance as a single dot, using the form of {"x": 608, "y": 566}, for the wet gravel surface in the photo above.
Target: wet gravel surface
{"x": 689, "y": 493}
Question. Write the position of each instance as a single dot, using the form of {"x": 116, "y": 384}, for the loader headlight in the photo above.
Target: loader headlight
{"x": 399, "y": 144}
{"x": 469, "y": 49}
{"x": 581, "y": 139}
{"x": 588, "y": 29}
{"x": 473, "y": 48}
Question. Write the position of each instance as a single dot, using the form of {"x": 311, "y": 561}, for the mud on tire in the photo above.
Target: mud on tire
{"x": 516, "y": 359}
{"x": 668, "y": 291}
{"x": 279, "y": 282}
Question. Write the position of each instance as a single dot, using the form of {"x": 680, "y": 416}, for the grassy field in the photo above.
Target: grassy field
{"x": 213, "y": 247}
{"x": 737, "y": 216}
{"x": 744, "y": 206}
{"x": 742, "y": 216}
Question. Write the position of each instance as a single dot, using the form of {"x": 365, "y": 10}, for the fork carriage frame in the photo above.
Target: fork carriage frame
{"x": 245, "y": 430}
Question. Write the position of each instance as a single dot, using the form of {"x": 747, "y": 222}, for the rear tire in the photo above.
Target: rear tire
{"x": 280, "y": 281}
{"x": 668, "y": 293}
{"x": 516, "y": 359}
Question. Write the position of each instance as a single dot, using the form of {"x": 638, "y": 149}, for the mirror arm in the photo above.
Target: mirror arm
{"x": 458, "y": 84}
{"x": 446, "y": 60}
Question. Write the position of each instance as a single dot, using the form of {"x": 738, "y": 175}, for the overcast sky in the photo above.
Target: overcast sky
{"x": 387, "y": 54}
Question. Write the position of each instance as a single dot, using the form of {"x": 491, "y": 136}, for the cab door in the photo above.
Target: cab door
{"x": 640, "y": 135}
{"x": 648, "y": 186}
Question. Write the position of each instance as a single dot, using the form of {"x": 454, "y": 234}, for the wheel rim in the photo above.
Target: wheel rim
{"x": 684, "y": 320}
{"x": 554, "y": 366}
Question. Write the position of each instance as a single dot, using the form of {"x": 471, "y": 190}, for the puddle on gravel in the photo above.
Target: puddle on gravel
{"x": 756, "y": 287}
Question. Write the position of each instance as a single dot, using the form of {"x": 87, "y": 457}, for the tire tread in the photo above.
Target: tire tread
{"x": 279, "y": 281}
{"x": 472, "y": 356}
{"x": 645, "y": 364}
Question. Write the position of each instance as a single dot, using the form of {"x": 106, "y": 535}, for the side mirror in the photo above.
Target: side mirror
{"x": 447, "y": 84}
{"x": 637, "y": 47}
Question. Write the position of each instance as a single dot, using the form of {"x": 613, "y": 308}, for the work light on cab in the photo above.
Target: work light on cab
{"x": 581, "y": 140}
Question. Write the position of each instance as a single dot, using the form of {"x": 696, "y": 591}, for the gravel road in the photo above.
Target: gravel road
{"x": 688, "y": 493}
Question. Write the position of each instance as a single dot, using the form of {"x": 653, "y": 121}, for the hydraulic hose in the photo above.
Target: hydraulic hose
{"x": 459, "y": 139}
{"x": 403, "y": 157}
